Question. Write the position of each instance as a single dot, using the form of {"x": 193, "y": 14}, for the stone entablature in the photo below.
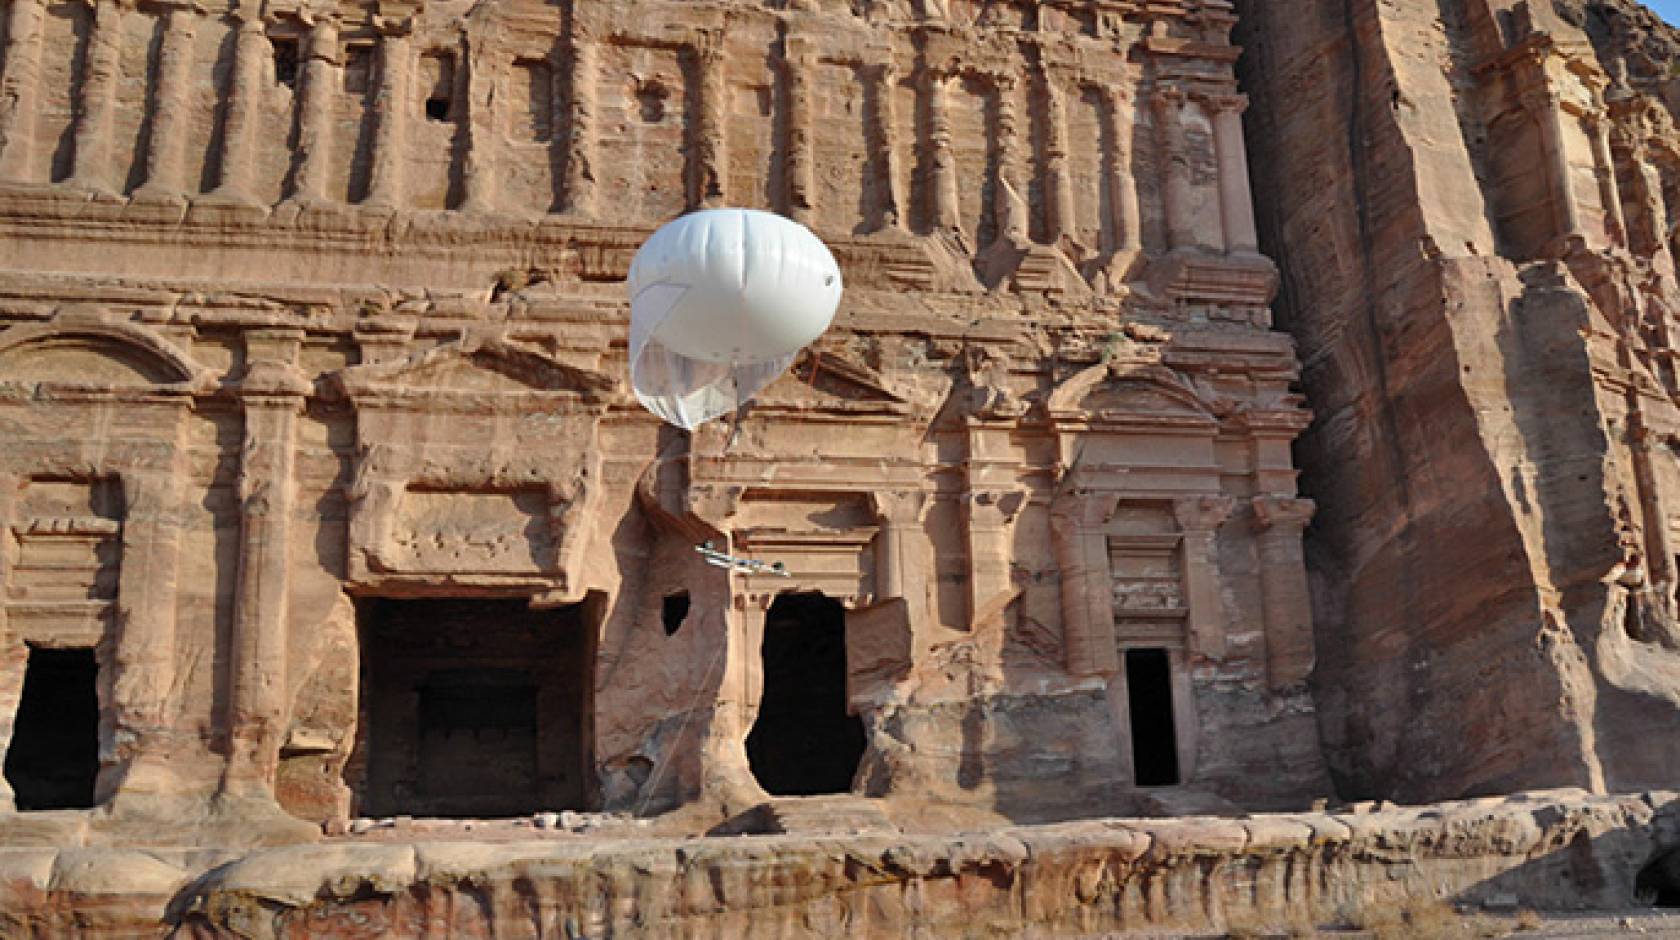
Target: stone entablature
{"x": 1044, "y": 451}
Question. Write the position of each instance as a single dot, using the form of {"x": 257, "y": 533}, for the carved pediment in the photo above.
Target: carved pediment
{"x": 489, "y": 369}
{"x": 1109, "y": 393}
{"x": 824, "y": 381}
{"x": 98, "y": 358}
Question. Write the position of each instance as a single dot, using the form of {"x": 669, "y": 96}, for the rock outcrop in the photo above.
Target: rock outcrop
{"x": 1473, "y": 207}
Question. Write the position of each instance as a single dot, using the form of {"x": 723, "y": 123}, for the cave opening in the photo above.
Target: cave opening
{"x": 1154, "y": 737}
{"x": 53, "y": 760}
{"x": 473, "y": 707}
{"x": 805, "y": 742}
{"x": 1658, "y": 883}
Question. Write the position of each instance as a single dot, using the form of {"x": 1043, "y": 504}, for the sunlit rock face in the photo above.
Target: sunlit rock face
{"x": 1476, "y": 206}
{"x": 323, "y": 494}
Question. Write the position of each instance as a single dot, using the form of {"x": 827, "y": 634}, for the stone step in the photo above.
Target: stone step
{"x": 809, "y": 815}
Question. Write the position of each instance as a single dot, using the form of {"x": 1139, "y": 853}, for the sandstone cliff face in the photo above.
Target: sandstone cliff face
{"x": 1473, "y": 206}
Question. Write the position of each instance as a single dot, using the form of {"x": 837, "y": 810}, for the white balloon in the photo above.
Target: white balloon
{"x": 721, "y": 301}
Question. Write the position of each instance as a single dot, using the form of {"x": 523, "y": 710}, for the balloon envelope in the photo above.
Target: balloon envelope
{"x": 721, "y": 301}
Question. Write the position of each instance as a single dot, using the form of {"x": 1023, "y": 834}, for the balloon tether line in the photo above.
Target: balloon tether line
{"x": 688, "y": 715}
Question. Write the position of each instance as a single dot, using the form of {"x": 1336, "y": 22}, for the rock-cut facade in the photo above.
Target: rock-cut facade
{"x": 323, "y": 494}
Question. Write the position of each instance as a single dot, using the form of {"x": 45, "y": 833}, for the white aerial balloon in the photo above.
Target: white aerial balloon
{"x": 721, "y": 301}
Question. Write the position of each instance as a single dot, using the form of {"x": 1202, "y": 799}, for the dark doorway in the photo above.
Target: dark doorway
{"x": 804, "y": 742}
{"x": 473, "y": 707}
{"x": 54, "y": 756}
{"x": 1154, "y": 738}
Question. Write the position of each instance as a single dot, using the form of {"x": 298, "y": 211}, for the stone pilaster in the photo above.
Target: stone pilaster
{"x": 1124, "y": 231}
{"x": 323, "y": 68}
{"x": 143, "y": 650}
{"x": 1011, "y": 201}
{"x": 1058, "y": 176}
{"x": 251, "y": 55}
{"x": 20, "y": 86}
{"x": 1283, "y": 585}
{"x": 1546, "y": 110}
{"x": 581, "y": 146}
{"x": 1199, "y": 518}
{"x": 894, "y": 213}
{"x": 273, "y": 393}
{"x": 987, "y": 517}
{"x": 946, "y": 209}
{"x": 900, "y": 514}
{"x": 711, "y": 132}
{"x": 801, "y": 158}
{"x": 479, "y": 164}
{"x": 1178, "y": 181}
{"x": 1604, "y": 167}
{"x": 166, "y": 145}
{"x": 1077, "y": 518}
{"x": 96, "y": 108}
{"x": 390, "y": 115}
{"x": 1236, "y": 201}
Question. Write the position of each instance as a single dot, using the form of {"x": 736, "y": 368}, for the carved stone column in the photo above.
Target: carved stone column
{"x": 273, "y": 394}
{"x": 20, "y": 83}
{"x": 801, "y": 160}
{"x": 166, "y": 146}
{"x": 390, "y": 115}
{"x": 1013, "y": 223}
{"x": 1178, "y": 190}
{"x": 1604, "y": 167}
{"x": 988, "y": 515}
{"x": 711, "y": 131}
{"x": 251, "y": 54}
{"x": 1283, "y": 586}
{"x": 1124, "y": 230}
{"x": 322, "y": 77}
{"x": 946, "y": 209}
{"x": 900, "y": 513}
{"x": 891, "y": 184}
{"x": 1236, "y": 201}
{"x": 1058, "y": 176}
{"x": 1077, "y": 518}
{"x": 1546, "y": 109}
{"x": 1650, "y": 235}
{"x": 479, "y": 170}
{"x": 14, "y": 655}
{"x": 1199, "y": 518}
{"x": 96, "y": 108}
{"x": 143, "y": 649}
{"x": 581, "y": 149}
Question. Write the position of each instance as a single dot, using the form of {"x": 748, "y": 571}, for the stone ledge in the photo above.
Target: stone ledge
{"x": 1553, "y": 850}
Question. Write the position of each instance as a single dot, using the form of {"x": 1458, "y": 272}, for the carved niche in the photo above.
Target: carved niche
{"x": 497, "y": 498}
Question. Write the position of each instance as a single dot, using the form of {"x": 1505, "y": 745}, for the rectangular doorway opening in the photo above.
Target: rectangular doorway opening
{"x": 473, "y": 707}
{"x": 1149, "y": 692}
{"x": 53, "y": 759}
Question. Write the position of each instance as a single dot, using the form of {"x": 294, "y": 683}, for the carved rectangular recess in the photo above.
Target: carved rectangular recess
{"x": 645, "y": 92}
{"x": 63, "y": 584}
{"x": 488, "y": 532}
{"x": 1146, "y": 575}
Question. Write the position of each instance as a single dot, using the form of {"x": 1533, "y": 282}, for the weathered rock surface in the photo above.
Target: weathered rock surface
{"x": 1473, "y": 206}
{"x": 1551, "y": 851}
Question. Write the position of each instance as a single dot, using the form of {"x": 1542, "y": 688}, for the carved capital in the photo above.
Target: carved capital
{"x": 995, "y": 507}
{"x": 1196, "y": 514}
{"x": 1220, "y": 104}
{"x": 900, "y": 507}
{"x": 1283, "y": 512}
{"x": 1089, "y": 509}
{"x": 1168, "y": 99}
